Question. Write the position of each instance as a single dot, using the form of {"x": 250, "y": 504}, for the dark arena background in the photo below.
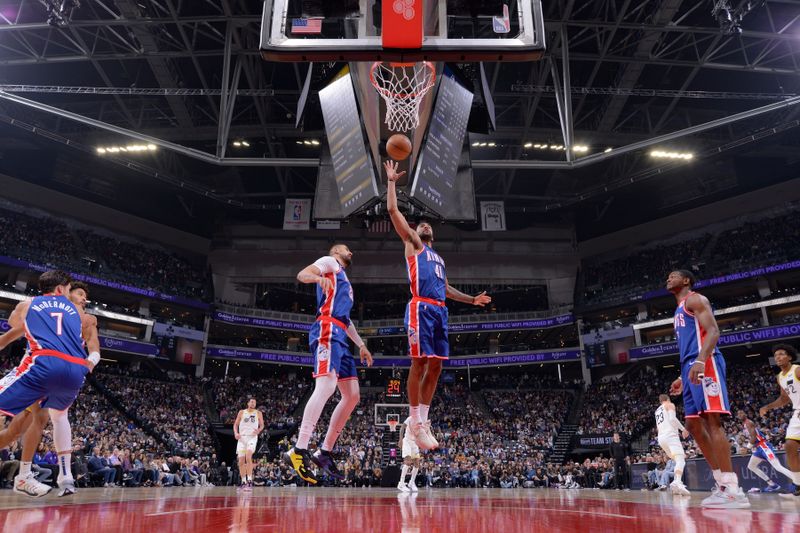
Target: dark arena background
{"x": 187, "y": 159}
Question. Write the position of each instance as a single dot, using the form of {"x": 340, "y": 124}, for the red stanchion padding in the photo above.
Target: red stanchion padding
{"x": 402, "y": 23}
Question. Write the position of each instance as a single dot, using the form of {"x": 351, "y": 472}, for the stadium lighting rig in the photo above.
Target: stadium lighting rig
{"x": 59, "y": 12}
{"x": 730, "y": 18}
{"x": 129, "y": 149}
{"x": 662, "y": 154}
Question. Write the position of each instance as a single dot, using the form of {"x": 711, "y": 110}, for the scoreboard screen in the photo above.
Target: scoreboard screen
{"x": 393, "y": 388}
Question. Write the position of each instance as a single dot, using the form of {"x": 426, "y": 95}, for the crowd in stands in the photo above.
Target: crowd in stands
{"x": 173, "y": 410}
{"x": 278, "y": 397}
{"x": 769, "y": 241}
{"x": 85, "y": 252}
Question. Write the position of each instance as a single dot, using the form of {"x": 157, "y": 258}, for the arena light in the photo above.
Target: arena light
{"x": 13, "y": 295}
{"x": 528, "y": 145}
{"x": 608, "y": 150}
{"x": 492, "y": 144}
{"x": 128, "y": 149}
{"x": 476, "y": 143}
{"x": 580, "y": 148}
{"x": 663, "y": 154}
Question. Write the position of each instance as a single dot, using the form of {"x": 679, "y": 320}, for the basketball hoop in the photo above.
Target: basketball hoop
{"x": 393, "y": 425}
{"x": 402, "y": 86}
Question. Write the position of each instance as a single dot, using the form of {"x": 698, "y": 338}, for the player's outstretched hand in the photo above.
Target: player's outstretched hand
{"x": 481, "y": 299}
{"x": 236, "y": 435}
{"x": 676, "y": 388}
{"x": 762, "y": 412}
{"x": 391, "y": 170}
{"x": 696, "y": 374}
{"x": 326, "y": 284}
{"x": 366, "y": 356}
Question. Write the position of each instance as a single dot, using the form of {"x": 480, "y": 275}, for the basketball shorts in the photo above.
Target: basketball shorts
{"x": 426, "y": 324}
{"x": 50, "y": 380}
{"x": 793, "y": 431}
{"x": 329, "y": 346}
{"x": 671, "y": 444}
{"x": 711, "y": 395}
{"x": 410, "y": 449}
{"x": 246, "y": 444}
{"x": 765, "y": 452}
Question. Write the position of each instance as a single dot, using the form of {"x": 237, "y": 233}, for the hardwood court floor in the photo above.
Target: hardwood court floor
{"x": 221, "y": 509}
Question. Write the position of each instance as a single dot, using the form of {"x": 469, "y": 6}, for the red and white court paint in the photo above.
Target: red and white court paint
{"x": 217, "y": 510}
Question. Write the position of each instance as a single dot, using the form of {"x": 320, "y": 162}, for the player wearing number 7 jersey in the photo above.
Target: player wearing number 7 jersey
{"x": 426, "y": 313}
{"x": 53, "y": 373}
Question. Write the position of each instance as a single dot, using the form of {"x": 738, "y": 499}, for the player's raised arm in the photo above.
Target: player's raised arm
{"x": 399, "y": 222}
{"x": 17, "y": 323}
{"x": 479, "y": 300}
{"x": 92, "y": 338}
{"x": 700, "y": 307}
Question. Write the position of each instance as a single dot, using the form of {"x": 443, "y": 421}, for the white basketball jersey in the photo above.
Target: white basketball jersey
{"x": 248, "y": 423}
{"x": 665, "y": 429}
{"x": 791, "y": 385}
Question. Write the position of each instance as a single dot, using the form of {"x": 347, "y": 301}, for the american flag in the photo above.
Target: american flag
{"x": 306, "y": 25}
{"x": 380, "y": 226}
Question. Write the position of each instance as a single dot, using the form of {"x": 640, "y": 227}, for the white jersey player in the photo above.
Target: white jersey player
{"x": 668, "y": 427}
{"x": 411, "y": 458}
{"x": 249, "y": 423}
{"x": 789, "y": 383}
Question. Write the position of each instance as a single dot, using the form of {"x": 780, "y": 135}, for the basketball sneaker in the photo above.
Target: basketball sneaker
{"x": 678, "y": 488}
{"x": 421, "y": 433}
{"x": 324, "y": 459}
{"x": 413, "y": 487}
{"x": 67, "y": 486}
{"x": 724, "y": 498}
{"x": 403, "y": 487}
{"x": 300, "y": 460}
{"x": 773, "y": 487}
{"x": 30, "y": 486}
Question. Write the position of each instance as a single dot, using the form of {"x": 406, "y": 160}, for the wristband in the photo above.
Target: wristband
{"x": 701, "y": 362}
{"x": 94, "y": 358}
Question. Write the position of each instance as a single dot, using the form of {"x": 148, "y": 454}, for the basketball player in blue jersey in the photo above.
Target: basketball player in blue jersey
{"x": 762, "y": 451}
{"x": 702, "y": 382}
{"x": 426, "y": 313}
{"x": 334, "y": 365}
{"x": 32, "y": 421}
{"x": 52, "y": 374}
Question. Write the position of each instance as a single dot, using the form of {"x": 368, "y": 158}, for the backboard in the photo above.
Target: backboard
{"x": 402, "y": 30}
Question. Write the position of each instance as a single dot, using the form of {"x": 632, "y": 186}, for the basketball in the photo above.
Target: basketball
{"x": 398, "y": 147}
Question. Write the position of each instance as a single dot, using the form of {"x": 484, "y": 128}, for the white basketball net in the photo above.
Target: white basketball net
{"x": 393, "y": 425}
{"x": 403, "y": 86}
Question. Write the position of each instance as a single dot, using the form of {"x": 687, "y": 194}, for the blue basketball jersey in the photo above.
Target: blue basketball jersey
{"x": 54, "y": 323}
{"x": 689, "y": 332}
{"x": 338, "y": 302}
{"x": 427, "y": 274}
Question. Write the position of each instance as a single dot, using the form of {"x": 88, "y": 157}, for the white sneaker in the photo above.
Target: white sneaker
{"x": 662, "y": 487}
{"x": 413, "y": 487}
{"x": 30, "y": 486}
{"x": 724, "y": 498}
{"x": 679, "y": 489}
{"x": 403, "y": 487}
{"x": 67, "y": 486}
{"x": 423, "y": 436}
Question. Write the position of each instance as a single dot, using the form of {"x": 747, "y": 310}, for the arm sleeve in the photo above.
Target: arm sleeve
{"x": 327, "y": 265}
{"x": 354, "y": 336}
{"x": 673, "y": 421}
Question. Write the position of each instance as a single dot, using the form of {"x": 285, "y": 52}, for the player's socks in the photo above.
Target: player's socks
{"x": 416, "y": 415}
{"x": 412, "y": 483}
{"x": 24, "y": 468}
{"x": 730, "y": 481}
{"x": 717, "y": 476}
{"x": 403, "y": 473}
{"x": 423, "y": 411}
{"x": 65, "y": 465}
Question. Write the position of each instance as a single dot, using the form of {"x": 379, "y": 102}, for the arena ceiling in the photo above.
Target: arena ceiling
{"x": 637, "y": 70}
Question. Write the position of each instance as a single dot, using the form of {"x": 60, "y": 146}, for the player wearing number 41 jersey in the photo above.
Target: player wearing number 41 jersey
{"x": 702, "y": 382}
{"x": 789, "y": 383}
{"x": 426, "y": 313}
